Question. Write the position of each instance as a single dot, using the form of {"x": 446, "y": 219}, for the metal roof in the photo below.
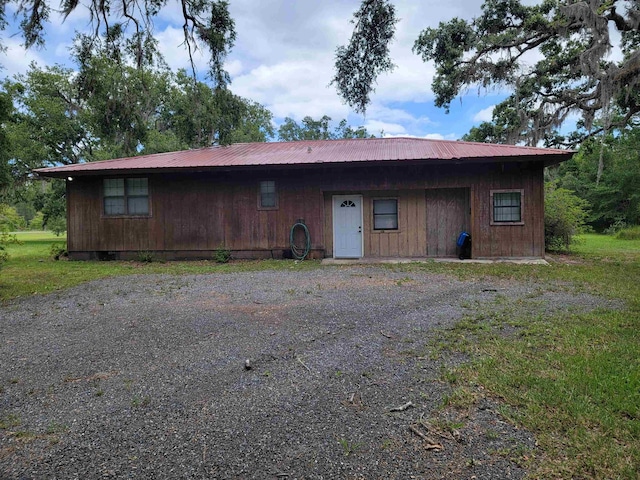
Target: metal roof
{"x": 316, "y": 152}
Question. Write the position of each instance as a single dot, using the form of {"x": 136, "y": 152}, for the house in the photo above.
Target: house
{"x": 382, "y": 197}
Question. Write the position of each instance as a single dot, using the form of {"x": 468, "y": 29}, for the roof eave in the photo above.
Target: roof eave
{"x": 57, "y": 172}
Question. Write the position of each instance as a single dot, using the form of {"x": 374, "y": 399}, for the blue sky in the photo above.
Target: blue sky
{"x": 283, "y": 59}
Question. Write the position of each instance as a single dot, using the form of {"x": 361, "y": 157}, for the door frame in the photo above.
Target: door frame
{"x": 343, "y": 197}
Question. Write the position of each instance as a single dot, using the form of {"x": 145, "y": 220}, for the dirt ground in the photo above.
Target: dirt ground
{"x": 322, "y": 374}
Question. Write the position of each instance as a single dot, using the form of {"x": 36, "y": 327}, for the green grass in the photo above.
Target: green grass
{"x": 31, "y": 269}
{"x": 606, "y": 247}
{"x": 572, "y": 379}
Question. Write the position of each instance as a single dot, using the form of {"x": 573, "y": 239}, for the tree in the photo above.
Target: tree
{"x": 574, "y": 75}
{"x": 6, "y": 110}
{"x": 127, "y": 26}
{"x": 201, "y": 116}
{"x": 106, "y": 109}
{"x": 48, "y": 126}
{"x": 310, "y": 129}
{"x": 615, "y": 199}
{"x": 367, "y": 54}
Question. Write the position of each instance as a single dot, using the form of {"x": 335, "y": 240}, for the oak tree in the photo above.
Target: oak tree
{"x": 556, "y": 57}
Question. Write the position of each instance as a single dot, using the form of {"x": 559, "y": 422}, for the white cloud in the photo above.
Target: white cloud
{"x": 484, "y": 115}
{"x": 16, "y": 59}
{"x": 439, "y": 136}
{"x": 389, "y": 129}
{"x": 171, "y": 45}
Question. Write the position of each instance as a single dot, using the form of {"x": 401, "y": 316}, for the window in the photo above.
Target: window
{"x": 385, "y": 214}
{"x": 126, "y": 196}
{"x": 507, "y": 206}
{"x": 268, "y": 197}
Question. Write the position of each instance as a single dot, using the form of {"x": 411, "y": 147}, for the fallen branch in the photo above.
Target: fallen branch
{"x": 303, "y": 364}
{"x": 431, "y": 444}
{"x": 386, "y": 335}
{"x": 402, "y": 408}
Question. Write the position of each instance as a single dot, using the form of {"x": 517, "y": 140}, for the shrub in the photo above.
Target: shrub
{"x": 630, "y": 233}
{"x": 221, "y": 255}
{"x": 10, "y": 219}
{"x": 4, "y": 256}
{"x": 564, "y": 217}
{"x": 58, "y": 251}
{"x": 145, "y": 256}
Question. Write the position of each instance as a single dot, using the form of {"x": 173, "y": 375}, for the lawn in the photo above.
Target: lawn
{"x": 573, "y": 380}
{"x": 31, "y": 268}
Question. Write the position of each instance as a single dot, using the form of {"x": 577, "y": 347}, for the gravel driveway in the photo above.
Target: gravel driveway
{"x": 144, "y": 377}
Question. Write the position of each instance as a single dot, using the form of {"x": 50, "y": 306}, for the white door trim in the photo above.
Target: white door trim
{"x": 336, "y": 200}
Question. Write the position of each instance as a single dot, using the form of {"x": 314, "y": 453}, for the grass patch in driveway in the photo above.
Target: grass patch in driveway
{"x": 573, "y": 379}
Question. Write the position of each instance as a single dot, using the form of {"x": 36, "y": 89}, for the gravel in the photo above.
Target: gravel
{"x": 146, "y": 377}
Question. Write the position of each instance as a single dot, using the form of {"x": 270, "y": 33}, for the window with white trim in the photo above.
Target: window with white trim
{"x": 268, "y": 196}
{"x": 385, "y": 214}
{"x": 506, "y": 207}
{"x": 126, "y": 196}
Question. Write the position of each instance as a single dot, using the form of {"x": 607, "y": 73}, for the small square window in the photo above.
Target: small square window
{"x": 507, "y": 206}
{"x": 385, "y": 214}
{"x": 268, "y": 194}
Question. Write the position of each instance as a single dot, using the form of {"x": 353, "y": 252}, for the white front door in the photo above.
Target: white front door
{"x": 347, "y": 226}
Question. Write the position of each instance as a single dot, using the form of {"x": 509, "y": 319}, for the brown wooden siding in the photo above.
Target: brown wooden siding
{"x": 448, "y": 214}
{"x": 201, "y": 212}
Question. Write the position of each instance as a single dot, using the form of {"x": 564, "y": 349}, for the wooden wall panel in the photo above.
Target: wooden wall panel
{"x": 447, "y": 213}
{"x": 192, "y": 212}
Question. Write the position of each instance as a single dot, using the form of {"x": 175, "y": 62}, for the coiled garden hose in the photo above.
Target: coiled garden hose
{"x": 300, "y": 252}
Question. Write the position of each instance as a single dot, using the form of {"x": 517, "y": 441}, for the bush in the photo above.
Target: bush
{"x": 145, "y": 256}
{"x": 4, "y": 256}
{"x": 222, "y": 255}
{"x": 631, "y": 233}
{"x": 5, "y": 239}
{"x": 58, "y": 251}
{"x": 564, "y": 217}
{"x": 10, "y": 219}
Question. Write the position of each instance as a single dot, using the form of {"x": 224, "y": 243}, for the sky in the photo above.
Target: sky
{"x": 283, "y": 58}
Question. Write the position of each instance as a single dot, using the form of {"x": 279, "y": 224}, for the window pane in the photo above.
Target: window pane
{"x": 114, "y": 206}
{"x": 138, "y": 205}
{"x": 507, "y": 207}
{"x": 387, "y": 206}
{"x": 268, "y": 193}
{"x": 385, "y": 214}
{"x": 137, "y": 186}
{"x": 114, "y": 187}
{"x": 386, "y": 222}
{"x": 268, "y": 200}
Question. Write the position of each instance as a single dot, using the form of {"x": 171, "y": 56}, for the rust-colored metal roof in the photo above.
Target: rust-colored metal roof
{"x": 315, "y": 152}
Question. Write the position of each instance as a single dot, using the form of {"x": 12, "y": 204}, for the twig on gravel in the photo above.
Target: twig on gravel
{"x": 303, "y": 364}
{"x": 431, "y": 444}
{"x": 385, "y": 334}
{"x": 356, "y": 399}
{"x": 402, "y": 408}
